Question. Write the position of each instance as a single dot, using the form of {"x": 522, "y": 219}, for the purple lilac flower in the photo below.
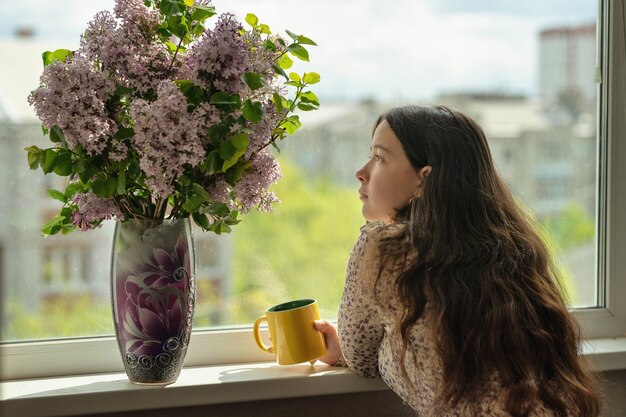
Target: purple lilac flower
{"x": 252, "y": 190}
{"x": 72, "y": 96}
{"x": 93, "y": 209}
{"x": 119, "y": 151}
{"x": 221, "y": 57}
{"x": 261, "y": 59}
{"x": 136, "y": 14}
{"x": 219, "y": 192}
{"x": 131, "y": 50}
{"x": 167, "y": 137}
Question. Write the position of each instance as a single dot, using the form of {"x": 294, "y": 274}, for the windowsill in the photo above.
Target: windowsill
{"x": 112, "y": 392}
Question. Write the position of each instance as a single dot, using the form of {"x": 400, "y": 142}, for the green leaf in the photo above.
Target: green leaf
{"x": 121, "y": 90}
{"x": 66, "y": 214}
{"x": 124, "y": 133}
{"x": 294, "y": 76}
{"x": 232, "y": 150}
{"x": 212, "y": 163}
{"x": 252, "y": 20}
{"x": 240, "y": 141}
{"x": 233, "y": 175}
{"x": 291, "y": 124}
{"x": 253, "y": 80}
{"x": 78, "y": 166}
{"x": 104, "y": 188}
{"x": 49, "y": 160}
{"x": 309, "y": 96}
{"x": 219, "y": 227}
{"x": 198, "y": 197}
{"x": 171, "y": 7}
{"x": 263, "y": 28}
{"x": 218, "y": 209}
{"x": 269, "y": 45}
{"x": 57, "y": 136}
{"x": 197, "y": 30}
{"x": 202, "y": 13}
{"x": 54, "y": 226}
{"x": 63, "y": 165}
{"x": 278, "y": 70}
{"x": 285, "y": 62}
{"x": 298, "y": 51}
{"x": 59, "y": 55}
{"x": 200, "y": 219}
{"x": 192, "y": 92}
{"x": 170, "y": 47}
{"x": 307, "y": 106}
{"x": 278, "y": 102}
{"x": 57, "y": 195}
{"x": 67, "y": 228}
{"x": 72, "y": 189}
{"x": 225, "y": 101}
{"x": 292, "y": 35}
{"x": 252, "y": 111}
{"x": 188, "y": 3}
{"x": 178, "y": 26}
{"x": 305, "y": 41}
{"x": 87, "y": 174}
{"x": 44, "y": 129}
{"x": 311, "y": 78}
{"x": 35, "y": 156}
{"x": 121, "y": 183}
{"x": 184, "y": 180}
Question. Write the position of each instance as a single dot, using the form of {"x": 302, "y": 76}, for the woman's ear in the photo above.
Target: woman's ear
{"x": 421, "y": 174}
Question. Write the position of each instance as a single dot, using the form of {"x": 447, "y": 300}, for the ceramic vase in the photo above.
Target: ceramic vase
{"x": 153, "y": 297}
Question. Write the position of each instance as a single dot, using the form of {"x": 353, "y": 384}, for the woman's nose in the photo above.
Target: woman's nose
{"x": 361, "y": 175}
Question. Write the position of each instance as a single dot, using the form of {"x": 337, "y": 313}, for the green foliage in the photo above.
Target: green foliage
{"x": 59, "y": 55}
{"x": 564, "y": 231}
{"x": 570, "y": 228}
{"x": 299, "y": 250}
{"x": 70, "y": 315}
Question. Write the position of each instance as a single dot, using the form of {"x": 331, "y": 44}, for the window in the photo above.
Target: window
{"x": 524, "y": 71}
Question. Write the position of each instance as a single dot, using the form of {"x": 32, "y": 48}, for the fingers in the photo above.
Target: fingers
{"x": 325, "y": 326}
{"x": 333, "y": 350}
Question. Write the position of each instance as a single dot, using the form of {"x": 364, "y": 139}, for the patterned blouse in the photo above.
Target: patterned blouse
{"x": 371, "y": 343}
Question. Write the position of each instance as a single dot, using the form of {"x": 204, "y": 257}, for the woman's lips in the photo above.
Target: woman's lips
{"x": 362, "y": 196}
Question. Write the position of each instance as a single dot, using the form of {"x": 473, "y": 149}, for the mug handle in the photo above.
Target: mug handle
{"x": 257, "y": 336}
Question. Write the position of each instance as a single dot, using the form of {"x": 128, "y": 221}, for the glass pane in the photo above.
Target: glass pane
{"x": 523, "y": 70}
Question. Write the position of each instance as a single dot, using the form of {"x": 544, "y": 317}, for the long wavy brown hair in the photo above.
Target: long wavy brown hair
{"x": 496, "y": 298}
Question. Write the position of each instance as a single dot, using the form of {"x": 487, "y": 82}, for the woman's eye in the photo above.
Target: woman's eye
{"x": 378, "y": 157}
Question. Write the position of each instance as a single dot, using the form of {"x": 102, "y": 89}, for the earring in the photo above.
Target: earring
{"x": 411, "y": 200}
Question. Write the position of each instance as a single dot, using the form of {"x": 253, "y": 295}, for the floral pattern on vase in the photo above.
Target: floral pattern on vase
{"x": 153, "y": 287}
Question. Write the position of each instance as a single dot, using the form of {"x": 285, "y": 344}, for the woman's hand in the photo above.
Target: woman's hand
{"x": 333, "y": 351}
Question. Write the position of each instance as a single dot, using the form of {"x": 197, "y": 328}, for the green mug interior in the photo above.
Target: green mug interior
{"x": 290, "y": 305}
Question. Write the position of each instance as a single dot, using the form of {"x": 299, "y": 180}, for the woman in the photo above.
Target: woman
{"x": 450, "y": 293}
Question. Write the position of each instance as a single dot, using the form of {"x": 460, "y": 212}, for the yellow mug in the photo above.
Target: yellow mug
{"x": 293, "y": 333}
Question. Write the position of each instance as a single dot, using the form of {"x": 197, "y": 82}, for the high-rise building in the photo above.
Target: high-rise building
{"x": 567, "y": 65}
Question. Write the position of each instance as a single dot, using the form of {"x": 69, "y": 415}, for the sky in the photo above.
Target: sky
{"x": 388, "y": 50}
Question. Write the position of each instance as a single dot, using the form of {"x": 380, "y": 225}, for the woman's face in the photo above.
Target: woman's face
{"x": 388, "y": 180}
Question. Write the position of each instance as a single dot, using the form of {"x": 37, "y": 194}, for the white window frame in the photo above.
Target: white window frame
{"x": 610, "y": 319}
{"x": 236, "y": 345}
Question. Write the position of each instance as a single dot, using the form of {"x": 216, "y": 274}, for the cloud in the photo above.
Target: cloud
{"x": 368, "y": 48}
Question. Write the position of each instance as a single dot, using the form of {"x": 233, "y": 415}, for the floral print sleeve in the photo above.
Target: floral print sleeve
{"x": 359, "y": 325}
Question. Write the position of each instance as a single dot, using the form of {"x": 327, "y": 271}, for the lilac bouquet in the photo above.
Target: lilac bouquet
{"x": 158, "y": 116}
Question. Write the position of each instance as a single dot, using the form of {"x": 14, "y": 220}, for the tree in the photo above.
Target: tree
{"x": 301, "y": 250}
